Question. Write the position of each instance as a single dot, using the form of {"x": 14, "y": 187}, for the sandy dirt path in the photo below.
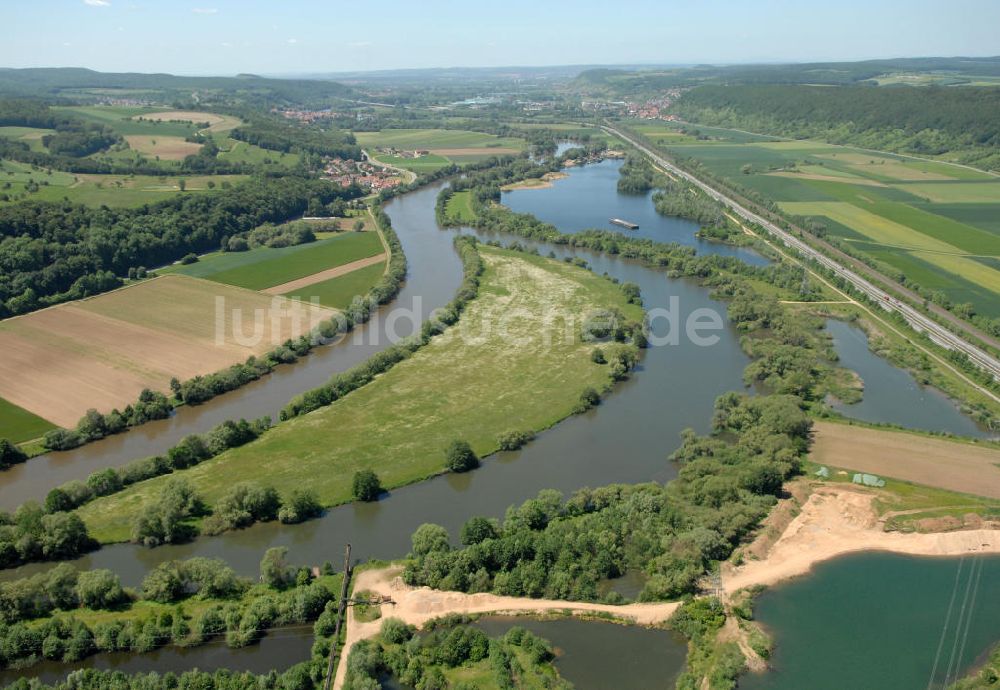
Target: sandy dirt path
{"x": 329, "y": 273}
{"x": 835, "y": 521}
{"x": 417, "y": 605}
{"x": 963, "y": 467}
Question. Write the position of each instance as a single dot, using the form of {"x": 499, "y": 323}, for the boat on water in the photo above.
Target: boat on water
{"x": 624, "y": 223}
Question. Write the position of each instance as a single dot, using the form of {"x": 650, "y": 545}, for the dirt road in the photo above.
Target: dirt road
{"x": 417, "y": 605}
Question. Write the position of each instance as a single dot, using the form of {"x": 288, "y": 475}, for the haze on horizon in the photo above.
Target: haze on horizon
{"x": 302, "y": 36}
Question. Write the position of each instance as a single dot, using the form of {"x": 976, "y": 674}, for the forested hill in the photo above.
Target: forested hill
{"x": 627, "y": 82}
{"x": 56, "y": 81}
{"x": 929, "y": 120}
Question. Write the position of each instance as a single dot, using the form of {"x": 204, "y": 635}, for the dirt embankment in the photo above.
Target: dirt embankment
{"x": 838, "y": 520}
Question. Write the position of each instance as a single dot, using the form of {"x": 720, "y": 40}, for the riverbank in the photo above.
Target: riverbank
{"x": 494, "y": 372}
{"x": 543, "y": 182}
{"x": 834, "y": 521}
{"x": 417, "y": 605}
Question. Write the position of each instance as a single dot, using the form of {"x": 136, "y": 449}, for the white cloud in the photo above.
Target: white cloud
{"x": 97, "y": 3}
{"x": 293, "y": 40}
{"x": 226, "y": 44}
{"x": 204, "y": 10}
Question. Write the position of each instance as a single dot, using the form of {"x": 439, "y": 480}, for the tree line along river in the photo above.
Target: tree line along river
{"x": 625, "y": 439}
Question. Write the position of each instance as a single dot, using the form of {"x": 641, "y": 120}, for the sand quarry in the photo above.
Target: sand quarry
{"x": 833, "y": 521}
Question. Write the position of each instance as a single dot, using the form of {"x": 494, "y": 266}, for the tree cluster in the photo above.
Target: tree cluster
{"x": 555, "y": 548}
{"x": 54, "y": 252}
{"x": 420, "y": 659}
{"x": 240, "y": 612}
{"x": 928, "y": 120}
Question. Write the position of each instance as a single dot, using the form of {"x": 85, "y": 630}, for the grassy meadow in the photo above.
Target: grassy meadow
{"x": 18, "y": 425}
{"x": 471, "y": 382}
{"x": 460, "y": 207}
{"x": 265, "y": 267}
{"x": 116, "y": 191}
{"x": 936, "y": 222}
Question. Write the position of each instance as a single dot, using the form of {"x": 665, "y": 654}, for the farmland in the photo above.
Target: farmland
{"x": 972, "y": 469}
{"x": 933, "y": 221}
{"x": 117, "y": 191}
{"x": 18, "y": 425}
{"x": 265, "y": 267}
{"x": 338, "y": 292}
{"x": 162, "y": 147}
{"x": 102, "y": 351}
{"x": 472, "y": 384}
{"x": 444, "y": 146}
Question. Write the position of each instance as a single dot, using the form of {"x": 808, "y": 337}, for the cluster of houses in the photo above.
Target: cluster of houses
{"x": 654, "y": 108}
{"x": 361, "y": 173}
{"x": 308, "y": 115}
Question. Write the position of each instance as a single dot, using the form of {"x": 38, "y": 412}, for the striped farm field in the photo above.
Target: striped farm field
{"x": 889, "y": 233}
{"x": 952, "y": 193}
{"x": 102, "y": 351}
{"x": 338, "y": 292}
{"x": 935, "y": 221}
{"x": 265, "y": 267}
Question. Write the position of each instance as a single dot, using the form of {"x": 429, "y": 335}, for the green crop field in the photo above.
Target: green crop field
{"x": 936, "y": 222}
{"x": 471, "y": 383}
{"x": 428, "y": 163}
{"x": 120, "y": 191}
{"x": 410, "y": 139}
{"x": 234, "y": 151}
{"x": 460, "y": 207}
{"x": 18, "y": 425}
{"x": 32, "y": 136}
{"x": 264, "y": 267}
{"x": 120, "y": 119}
{"x": 338, "y": 292}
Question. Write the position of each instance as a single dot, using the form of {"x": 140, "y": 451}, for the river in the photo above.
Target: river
{"x": 433, "y": 278}
{"x": 278, "y": 650}
{"x": 628, "y": 438}
{"x": 892, "y": 395}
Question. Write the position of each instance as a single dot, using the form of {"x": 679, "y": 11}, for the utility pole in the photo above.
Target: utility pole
{"x": 341, "y": 610}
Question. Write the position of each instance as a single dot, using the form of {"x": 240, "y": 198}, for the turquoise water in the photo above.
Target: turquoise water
{"x": 880, "y": 621}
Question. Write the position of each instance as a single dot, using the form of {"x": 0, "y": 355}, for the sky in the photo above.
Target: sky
{"x": 314, "y": 36}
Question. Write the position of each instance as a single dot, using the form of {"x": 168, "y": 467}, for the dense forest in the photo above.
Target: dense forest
{"x": 278, "y": 136}
{"x": 243, "y": 89}
{"x": 625, "y": 82}
{"x": 54, "y": 252}
{"x": 929, "y": 120}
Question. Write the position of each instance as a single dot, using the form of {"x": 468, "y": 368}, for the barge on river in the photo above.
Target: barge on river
{"x": 624, "y": 223}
